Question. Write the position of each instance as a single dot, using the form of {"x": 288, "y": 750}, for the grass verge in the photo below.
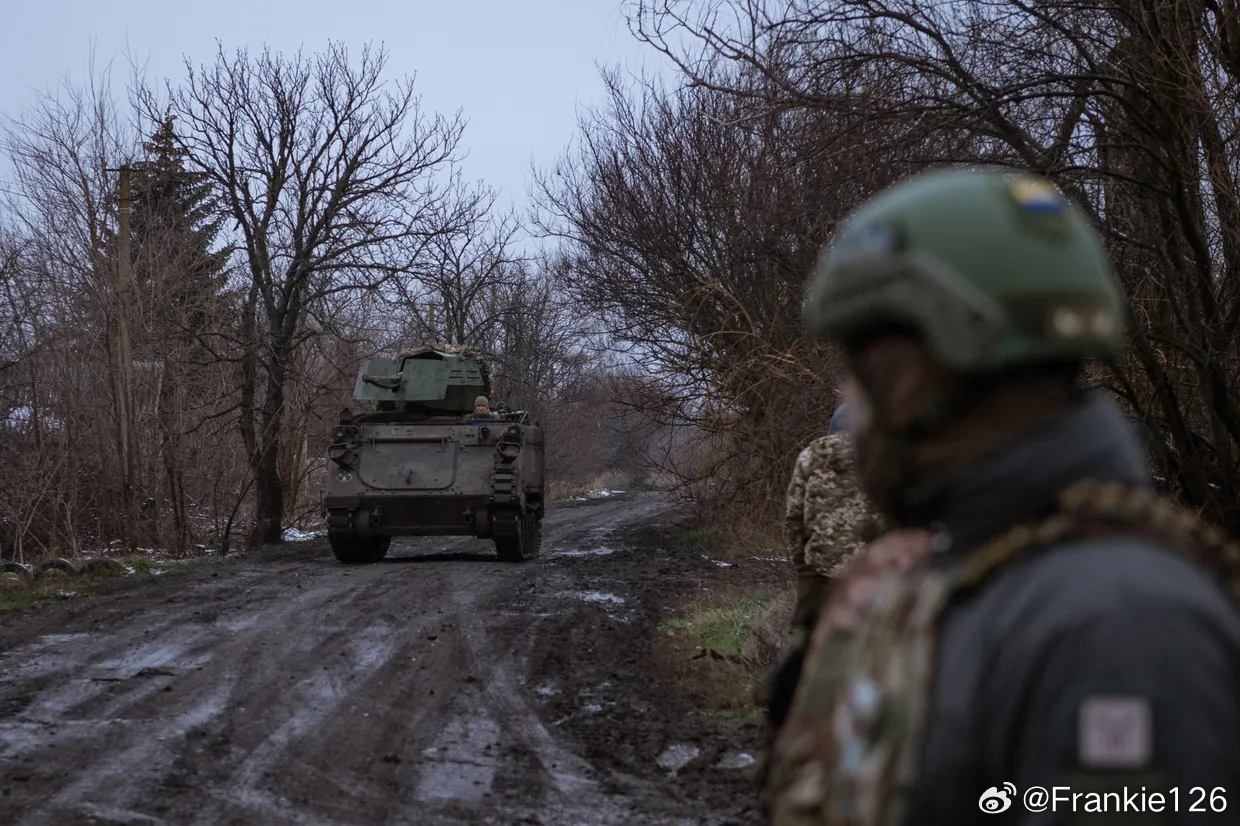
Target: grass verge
{"x": 734, "y": 542}
{"x": 20, "y": 592}
{"x": 719, "y": 647}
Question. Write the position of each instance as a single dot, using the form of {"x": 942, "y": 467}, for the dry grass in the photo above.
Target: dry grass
{"x": 559, "y": 490}
{"x": 727, "y": 537}
{"x": 719, "y": 647}
{"x": 18, "y": 591}
{"x": 745, "y": 539}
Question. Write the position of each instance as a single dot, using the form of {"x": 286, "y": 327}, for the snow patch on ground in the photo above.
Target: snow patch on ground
{"x": 733, "y": 762}
{"x": 296, "y": 535}
{"x": 115, "y": 548}
{"x": 677, "y": 756}
{"x": 595, "y": 494}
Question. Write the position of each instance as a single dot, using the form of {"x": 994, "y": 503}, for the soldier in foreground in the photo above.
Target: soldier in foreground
{"x": 827, "y": 520}
{"x": 1066, "y": 632}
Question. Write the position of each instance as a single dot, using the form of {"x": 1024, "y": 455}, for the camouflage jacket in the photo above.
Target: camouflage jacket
{"x": 827, "y": 518}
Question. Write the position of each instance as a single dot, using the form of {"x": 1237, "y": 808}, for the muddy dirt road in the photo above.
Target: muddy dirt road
{"x": 438, "y": 687}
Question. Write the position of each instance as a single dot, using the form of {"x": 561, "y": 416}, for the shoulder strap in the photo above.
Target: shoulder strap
{"x": 1086, "y": 510}
{"x": 1105, "y": 509}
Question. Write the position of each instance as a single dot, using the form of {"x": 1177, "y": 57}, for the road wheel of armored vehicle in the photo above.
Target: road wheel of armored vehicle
{"x": 525, "y": 545}
{"x": 355, "y": 551}
{"x": 381, "y": 548}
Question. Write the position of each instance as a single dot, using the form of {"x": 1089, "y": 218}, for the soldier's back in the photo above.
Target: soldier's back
{"x": 828, "y": 518}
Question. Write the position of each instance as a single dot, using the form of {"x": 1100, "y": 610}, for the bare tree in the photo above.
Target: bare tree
{"x": 63, "y": 151}
{"x": 1129, "y": 106}
{"x": 328, "y": 173}
{"x": 689, "y": 223}
{"x": 17, "y": 340}
{"x": 465, "y": 268}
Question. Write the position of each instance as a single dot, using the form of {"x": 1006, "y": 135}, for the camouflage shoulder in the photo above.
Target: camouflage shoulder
{"x": 834, "y": 451}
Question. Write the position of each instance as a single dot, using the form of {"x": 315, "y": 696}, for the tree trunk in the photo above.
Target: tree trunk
{"x": 123, "y": 384}
{"x": 269, "y": 495}
{"x": 268, "y": 486}
{"x": 171, "y": 450}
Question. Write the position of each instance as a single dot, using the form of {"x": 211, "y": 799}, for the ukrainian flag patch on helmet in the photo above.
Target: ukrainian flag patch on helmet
{"x": 1036, "y": 196}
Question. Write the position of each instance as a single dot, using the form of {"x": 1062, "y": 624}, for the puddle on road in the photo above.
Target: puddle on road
{"x": 735, "y": 761}
{"x": 317, "y": 697}
{"x": 594, "y": 543}
{"x": 677, "y": 756}
{"x": 241, "y": 623}
{"x": 46, "y": 655}
{"x": 150, "y": 655}
{"x": 461, "y": 763}
{"x": 133, "y": 747}
{"x": 20, "y": 736}
{"x": 600, "y": 551}
{"x": 595, "y": 596}
{"x": 57, "y": 639}
{"x": 82, "y": 680}
{"x": 113, "y": 814}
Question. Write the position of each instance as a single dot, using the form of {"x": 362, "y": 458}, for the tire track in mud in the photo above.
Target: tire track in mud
{"x": 286, "y": 689}
{"x": 146, "y": 731}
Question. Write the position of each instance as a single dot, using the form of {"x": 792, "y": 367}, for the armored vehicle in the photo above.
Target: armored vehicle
{"x": 419, "y": 460}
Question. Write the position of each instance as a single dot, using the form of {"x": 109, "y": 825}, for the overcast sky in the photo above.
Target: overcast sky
{"x": 518, "y": 69}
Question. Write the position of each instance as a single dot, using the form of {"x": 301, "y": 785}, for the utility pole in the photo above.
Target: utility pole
{"x": 431, "y": 321}
{"x": 123, "y": 380}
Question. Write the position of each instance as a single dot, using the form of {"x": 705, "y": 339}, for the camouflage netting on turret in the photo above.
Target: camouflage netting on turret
{"x": 466, "y": 351}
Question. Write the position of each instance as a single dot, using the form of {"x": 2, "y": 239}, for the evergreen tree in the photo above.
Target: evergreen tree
{"x": 175, "y": 224}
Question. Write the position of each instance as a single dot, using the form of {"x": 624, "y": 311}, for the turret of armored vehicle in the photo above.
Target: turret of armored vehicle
{"x": 417, "y": 459}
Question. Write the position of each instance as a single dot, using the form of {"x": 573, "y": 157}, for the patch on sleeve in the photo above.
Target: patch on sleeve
{"x": 1115, "y": 732}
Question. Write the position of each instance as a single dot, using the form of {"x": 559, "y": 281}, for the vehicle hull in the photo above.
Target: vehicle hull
{"x": 480, "y": 478}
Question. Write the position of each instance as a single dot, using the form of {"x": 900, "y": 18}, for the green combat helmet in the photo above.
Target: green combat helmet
{"x": 994, "y": 270}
